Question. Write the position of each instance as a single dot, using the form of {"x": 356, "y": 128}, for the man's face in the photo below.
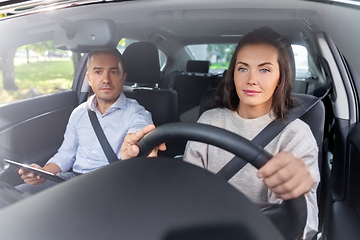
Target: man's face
{"x": 106, "y": 77}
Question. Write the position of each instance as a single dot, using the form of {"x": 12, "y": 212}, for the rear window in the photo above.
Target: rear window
{"x": 219, "y": 55}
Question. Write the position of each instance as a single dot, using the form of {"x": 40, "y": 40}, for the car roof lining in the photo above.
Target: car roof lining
{"x": 141, "y": 23}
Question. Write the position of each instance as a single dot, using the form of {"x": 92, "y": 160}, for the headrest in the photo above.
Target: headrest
{"x": 142, "y": 63}
{"x": 198, "y": 66}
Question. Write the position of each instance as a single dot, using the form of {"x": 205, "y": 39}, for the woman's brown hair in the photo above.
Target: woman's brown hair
{"x": 226, "y": 96}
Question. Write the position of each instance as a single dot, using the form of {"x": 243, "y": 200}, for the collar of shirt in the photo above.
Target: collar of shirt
{"x": 118, "y": 104}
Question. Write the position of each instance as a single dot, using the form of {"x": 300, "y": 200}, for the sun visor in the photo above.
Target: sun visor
{"x": 85, "y": 35}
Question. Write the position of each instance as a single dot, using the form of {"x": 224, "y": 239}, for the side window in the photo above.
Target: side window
{"x": 162, "y": 59}
{"x": 124, "y": 42}
{"x": 34, "y": 70}
{"x": 301, "y": 61}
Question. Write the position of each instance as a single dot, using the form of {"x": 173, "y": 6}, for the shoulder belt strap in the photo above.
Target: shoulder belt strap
{"x": 266, "y": 135}
{"x": 173, "y": 77}
{"x": 109, "y": 152}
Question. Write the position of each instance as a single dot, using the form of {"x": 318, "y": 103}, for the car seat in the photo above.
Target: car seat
{"x": 143, "y": 70}
{"x": 190, "y": 86}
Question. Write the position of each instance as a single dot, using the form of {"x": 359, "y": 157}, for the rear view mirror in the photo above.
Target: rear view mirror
{"x": 85, "y": 35}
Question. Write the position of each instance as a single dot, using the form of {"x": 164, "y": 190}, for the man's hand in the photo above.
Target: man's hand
{"x": 286, "y": 176}
{"x": 129, "y": 149}
{"x": 30, "y": 178}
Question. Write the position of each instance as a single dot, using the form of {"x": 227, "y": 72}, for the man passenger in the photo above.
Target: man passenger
{"x": 118, "y": 116}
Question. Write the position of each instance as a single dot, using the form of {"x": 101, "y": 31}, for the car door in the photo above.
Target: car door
{"x": 32, "y": 129}
{"x": 339, "y": 51}
{"x": 342, "y": 204}
{"x": 344, "y": 212}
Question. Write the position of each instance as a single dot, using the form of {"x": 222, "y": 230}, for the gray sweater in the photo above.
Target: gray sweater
{"x": 296, "y": 138}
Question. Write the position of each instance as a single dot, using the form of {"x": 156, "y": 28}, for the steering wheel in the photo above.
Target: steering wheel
{"x": 289, "y": 216}
{"x": 155, "y": 198}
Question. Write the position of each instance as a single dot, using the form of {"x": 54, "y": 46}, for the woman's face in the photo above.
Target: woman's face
{"x": 256, "y": 76}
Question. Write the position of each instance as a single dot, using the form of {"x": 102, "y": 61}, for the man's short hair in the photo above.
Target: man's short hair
{"x": 114, "y": 52}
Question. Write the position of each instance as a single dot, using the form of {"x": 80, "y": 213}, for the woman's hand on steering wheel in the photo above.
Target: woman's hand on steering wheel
{"x": 286, "y": 176}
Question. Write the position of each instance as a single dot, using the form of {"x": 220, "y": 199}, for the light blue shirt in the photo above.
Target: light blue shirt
{"x": 81, "y": 149}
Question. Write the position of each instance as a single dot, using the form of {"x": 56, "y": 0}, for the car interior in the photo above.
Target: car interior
{"x": 178, "y": 90}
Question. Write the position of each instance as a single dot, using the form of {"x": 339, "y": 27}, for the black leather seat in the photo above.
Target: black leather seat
{"x": 142, "y": 64}
{"x": 143, "y": 71}
{"x": 190, "y": 86}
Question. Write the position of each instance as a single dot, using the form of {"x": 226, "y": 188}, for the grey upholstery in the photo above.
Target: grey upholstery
{"x": 142, "y": 66}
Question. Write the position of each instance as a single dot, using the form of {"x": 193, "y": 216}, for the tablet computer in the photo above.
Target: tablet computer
{"x": 35, "y": 171}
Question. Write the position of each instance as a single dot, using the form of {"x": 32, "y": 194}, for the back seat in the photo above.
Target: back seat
{"x": 190, "y": 87}
{"x": 309, "y": 85}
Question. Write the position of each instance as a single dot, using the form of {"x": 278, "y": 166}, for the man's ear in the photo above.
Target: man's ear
{"x": 124, "y": 77}
{"x": 87, "y": 75}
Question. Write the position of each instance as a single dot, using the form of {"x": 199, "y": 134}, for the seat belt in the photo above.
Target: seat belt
{"x": 109, "y": 152}
{"x": 268, "y": 134}
{"x": 173, "y": 77}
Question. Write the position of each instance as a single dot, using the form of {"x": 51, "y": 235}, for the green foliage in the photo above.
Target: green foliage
{"x": 40, "y": 47}
{"x": 220, "y": 65}
{"x": 222, "y": 50}
{"x": 44, "y": 76}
